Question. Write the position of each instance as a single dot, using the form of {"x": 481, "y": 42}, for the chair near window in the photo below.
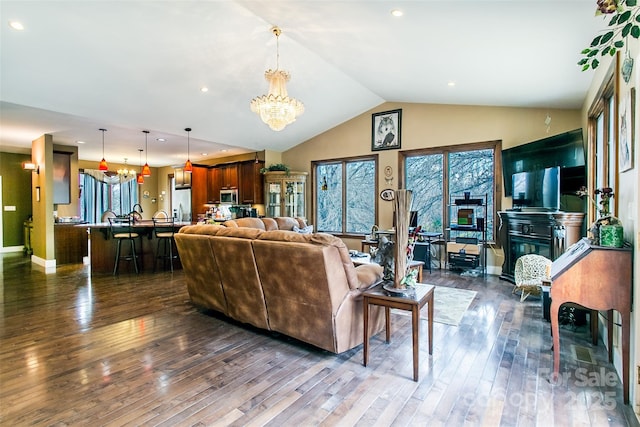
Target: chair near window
{"x": 122, "y": 230}
{"x": 160, "y": 215}
{"x": 106, "y": 215}
{"x": 530, "y": 271}
{"x": 163, "y": 229}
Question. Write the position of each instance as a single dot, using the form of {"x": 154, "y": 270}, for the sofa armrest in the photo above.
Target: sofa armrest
{"x": 369, "y": 275}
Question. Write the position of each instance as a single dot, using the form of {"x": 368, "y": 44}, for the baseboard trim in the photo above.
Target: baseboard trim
{"x": 49, "y": 265}
{"x": 8, "y": 249}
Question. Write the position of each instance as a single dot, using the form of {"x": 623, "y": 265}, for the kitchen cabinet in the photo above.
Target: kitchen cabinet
{"x": 229, "y": 175}
{"x": 251, "y": 183}
{"x": 199, "y": 190}
{"x": 214, "y": 184}
{"x": 285, "y": 194}
{"x": 182, "y": 178}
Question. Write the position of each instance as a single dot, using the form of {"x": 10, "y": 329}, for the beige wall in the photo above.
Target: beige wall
{"x": 430, "y": 125}
{"x": 626, "y": 193}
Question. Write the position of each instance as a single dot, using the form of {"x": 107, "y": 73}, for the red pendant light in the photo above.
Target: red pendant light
{"x": 140, "y": 177}
{"x": 146, "y": 170}
{"x": 103, "y": 163}
{"x": 188, "y": 167}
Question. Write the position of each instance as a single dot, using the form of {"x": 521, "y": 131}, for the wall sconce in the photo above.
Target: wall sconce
{"x": 30, "y": 166}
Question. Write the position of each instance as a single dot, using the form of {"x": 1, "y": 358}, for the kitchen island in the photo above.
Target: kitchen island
{"x": 102, "y": 247}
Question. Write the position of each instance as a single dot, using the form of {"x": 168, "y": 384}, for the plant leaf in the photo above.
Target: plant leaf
{"x": 631, "y": 3}
{"x": 613, "y": 20}
{"x": 596, "y": 41}
{"x": 583, "y": 61}
{"x": 624, "y": 17}
{"x": 594, "y": 52}
{"x": 605, "y": 50}
{"x": 594, "y": 64}
{"x": 606, "y": 37}
{"x": 613, "y": 51}
{"x": 626, "y": 29}
{"x": 635, "y": 31}
{"x": 619, "y": 44}
{"x": 585, "y": 51}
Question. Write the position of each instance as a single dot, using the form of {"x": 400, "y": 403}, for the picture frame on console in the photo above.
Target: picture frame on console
{"x": 386, "y": 129}
{"x": 626, "y": 131}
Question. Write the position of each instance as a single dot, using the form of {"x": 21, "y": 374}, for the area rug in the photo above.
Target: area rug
{"x": 449, "y": 305}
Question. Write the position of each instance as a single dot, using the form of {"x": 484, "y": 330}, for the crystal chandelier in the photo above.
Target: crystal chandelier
{"x": 276, "y": 109}
{"x": 125, "y": 172}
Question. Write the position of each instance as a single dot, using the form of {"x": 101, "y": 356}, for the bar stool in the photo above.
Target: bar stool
{"x": 164, "y": 230}
{"x": 122, "y": 229}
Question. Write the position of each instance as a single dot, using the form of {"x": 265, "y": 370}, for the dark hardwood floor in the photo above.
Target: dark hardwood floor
{"x": 97, "y": 350}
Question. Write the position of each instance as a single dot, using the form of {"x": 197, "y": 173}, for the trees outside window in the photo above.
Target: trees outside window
{"x": 345, "y": 195}
{"x": 434, "y": 175}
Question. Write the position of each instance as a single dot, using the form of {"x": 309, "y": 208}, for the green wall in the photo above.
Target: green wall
{"x": 16, "y": 191}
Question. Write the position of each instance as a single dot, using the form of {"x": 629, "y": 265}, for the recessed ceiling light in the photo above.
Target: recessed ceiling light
{"x": 451, "y": 84}
{"x": 397, "y": 13}
{"x": 16, "y": 25}
{"x": 160, "y": 139}
{"x": 204, "y": 89}
{"x": 224, "y": 150}
{"x": 203, "y": 154}
{"x": 79, "y": 142}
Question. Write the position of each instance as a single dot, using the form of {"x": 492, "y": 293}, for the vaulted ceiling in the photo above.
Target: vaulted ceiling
{"x": 129, "y": 66}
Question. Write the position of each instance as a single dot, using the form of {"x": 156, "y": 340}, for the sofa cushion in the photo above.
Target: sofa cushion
{"x": 240, "y": 232}
{"x": 208, "y": 229}
{"x": 287, "y": 222}
{"x": 369, "y": 275}
{"x": 319, "y": 239}
{"x": 245, "y": 222}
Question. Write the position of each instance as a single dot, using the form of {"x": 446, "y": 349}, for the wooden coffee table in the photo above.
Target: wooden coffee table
{"x": 412, "y": 302}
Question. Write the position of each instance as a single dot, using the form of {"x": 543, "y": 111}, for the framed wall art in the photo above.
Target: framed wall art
{"x": 61, "y": 178}
{"x": 386, "y": 130}
{"x": 626, "y": 134}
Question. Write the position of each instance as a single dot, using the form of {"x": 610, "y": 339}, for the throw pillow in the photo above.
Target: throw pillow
{"x": 305, "y": 230}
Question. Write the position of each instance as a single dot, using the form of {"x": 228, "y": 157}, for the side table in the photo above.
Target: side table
{"x": 413, "y": 302}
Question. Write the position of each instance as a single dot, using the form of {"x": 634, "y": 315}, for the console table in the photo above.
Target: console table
{"x": 543, "y": 233}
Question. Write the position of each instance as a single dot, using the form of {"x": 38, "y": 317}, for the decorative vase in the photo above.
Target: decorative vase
{"x": 402, "y": 207}
{"x": 612, "y": 235}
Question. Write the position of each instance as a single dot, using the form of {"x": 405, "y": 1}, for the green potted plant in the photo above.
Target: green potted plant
{"x": 279, "y": 167}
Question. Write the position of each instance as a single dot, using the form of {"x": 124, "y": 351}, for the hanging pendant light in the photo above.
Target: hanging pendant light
{"x": 140, "y": 177}
{"x": 103, "y": 163}
{"x": 188, "y": 167}
{"x": 146, "y": 170}
{"x": 276, "y": 109}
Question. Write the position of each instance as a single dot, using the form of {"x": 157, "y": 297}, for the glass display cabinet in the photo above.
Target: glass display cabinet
{"x": 285, "y": 194}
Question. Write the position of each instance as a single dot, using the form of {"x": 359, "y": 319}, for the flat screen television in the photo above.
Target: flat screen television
{"x": 565, "y": 150}
{"x": 537, "y": 190}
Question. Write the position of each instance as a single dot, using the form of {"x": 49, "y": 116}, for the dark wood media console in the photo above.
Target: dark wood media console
{"x": 544, "y": 233}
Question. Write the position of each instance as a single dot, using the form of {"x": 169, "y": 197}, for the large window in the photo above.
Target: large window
{"x": 602, "y": 137}
{"x": 435, "y": 174}
{"x": 101, "y": 193}
{"x": 345, "y": 195}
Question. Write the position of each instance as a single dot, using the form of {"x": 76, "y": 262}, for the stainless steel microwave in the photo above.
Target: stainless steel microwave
{"x": 229, "y": 197}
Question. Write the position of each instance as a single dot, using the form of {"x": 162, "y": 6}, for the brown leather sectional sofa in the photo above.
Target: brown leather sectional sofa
{"x": 301, "y": 285}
